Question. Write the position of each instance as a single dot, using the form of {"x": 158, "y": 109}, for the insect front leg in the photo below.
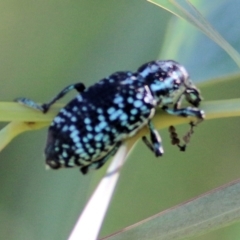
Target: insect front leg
{"x": 175, "y": 139}
{"x": 45, "y": 107}
{"x": 184, "y": 112}
{"x": 156, "y": 143}
{"x": 99, "y": 163}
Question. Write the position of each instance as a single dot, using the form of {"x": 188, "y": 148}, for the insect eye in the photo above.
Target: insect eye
{"x": 193, "y": 96}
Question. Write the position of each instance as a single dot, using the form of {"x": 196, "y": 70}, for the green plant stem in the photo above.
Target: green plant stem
{"x": 14, "y": 128}
{"x": 24, "y": 119}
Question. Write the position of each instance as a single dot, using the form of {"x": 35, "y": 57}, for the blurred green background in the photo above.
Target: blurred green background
{"x": 46, "y": 45}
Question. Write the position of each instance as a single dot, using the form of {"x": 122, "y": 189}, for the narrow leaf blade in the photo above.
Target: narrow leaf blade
{"x": 215, "y": 209}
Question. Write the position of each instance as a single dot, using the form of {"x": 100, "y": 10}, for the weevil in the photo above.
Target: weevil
{"x": 92, "y": 126}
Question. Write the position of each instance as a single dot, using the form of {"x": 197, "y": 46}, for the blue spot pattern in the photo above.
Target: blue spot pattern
{"x": 101, "y": 118}
{"x": 91, "y": 127}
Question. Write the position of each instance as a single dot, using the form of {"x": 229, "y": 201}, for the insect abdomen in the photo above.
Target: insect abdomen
{"x": 91, "y": 125}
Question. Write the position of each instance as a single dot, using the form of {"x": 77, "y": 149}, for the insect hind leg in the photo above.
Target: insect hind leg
{"x": 80, "y": 87}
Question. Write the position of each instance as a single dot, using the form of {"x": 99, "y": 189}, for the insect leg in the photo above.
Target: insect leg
{"x": 178, "y": 102}
{"x": 175, "y": 139}
{"x": 77, "y": 86}
{"x": 184, "y": 112}
{"x": 188, "y": 135}
{"x": 156, "y": 144}
{"x": 44, "y": 107}
{"x": 99, "y": 163}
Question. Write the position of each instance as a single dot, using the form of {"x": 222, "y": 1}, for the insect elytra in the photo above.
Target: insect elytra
{"x": 92, "y": 126}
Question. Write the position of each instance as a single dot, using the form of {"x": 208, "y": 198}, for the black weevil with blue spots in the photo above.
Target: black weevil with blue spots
{"x": 91, "y": 127}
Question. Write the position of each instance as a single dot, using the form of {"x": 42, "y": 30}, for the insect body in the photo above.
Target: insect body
{"x": 91, "y": 127}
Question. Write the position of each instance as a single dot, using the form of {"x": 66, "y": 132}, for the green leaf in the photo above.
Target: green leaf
{"x": 217, "y": 208}
{"x": 189, "y": 12}
{"x": 203, "y": 58}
